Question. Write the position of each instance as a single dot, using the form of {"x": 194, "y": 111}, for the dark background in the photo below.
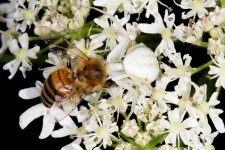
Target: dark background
{"x": 12, "y": 107}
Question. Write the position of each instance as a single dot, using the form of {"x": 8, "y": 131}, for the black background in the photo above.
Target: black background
{"x": 12, "y": 107}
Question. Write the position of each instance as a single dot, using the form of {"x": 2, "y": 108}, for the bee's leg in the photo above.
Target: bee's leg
{"x": 109, "y": 83}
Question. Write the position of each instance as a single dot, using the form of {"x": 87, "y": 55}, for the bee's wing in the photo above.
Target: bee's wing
{"x": 65, "y": 106}
{"x": 62, "y": 109}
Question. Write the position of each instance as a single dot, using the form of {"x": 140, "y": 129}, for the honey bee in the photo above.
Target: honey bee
{"x": 65, "y": 88}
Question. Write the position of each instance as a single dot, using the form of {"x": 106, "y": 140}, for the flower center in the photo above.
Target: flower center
{"x": 21, "y": 54}
{"x": 116, "y": 101}
{"x": 180, "y": 71}
{"x": 28, "y": 14}
{"x": 166, "y": 34}
{"x": 102, "y": 131}
{"x": 177, "y": 127}
{"x": 158, "y": 94}
{"x": 112, "y": 32}
{"x": 184, "y": 102}
{"x": 197, "y": 4}
{"x": 204, "y": 107}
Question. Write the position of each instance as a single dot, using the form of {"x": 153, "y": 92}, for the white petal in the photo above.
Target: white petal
{"x": 101, "y": 3}
{"x": 13, "y": 46}
{"x": 32, "y": 52}
{"x": 75, "y": 145}
{"x": 47, "y": 128}
{"x": 150, "y": 28}
{"x": 217, "y": 121}
{"x": 190, "y": 122}
{"x": 67, "y": 122}
{"x": 188, "y": 14}
{"x": 23, "y": 39}
{"x": 169, "y": 19}
{"x": 171, "y": 97}
{"x": 30, "y": 114}
{"x": 162, "y": 106}
{"x": 48, "y": 70}
{"x": 29, "y": 93}
{"x": 6, "y": 8}
{"x": 118, "y": 52}
{"x": 174, "y": 116}
{"x": 62, "y": 132}
{"x": 202, "y": 12}
{"x": 171, "y": 138}
{"x": 165, "y": 124}
{"x": 102, "y": 22}
{"x": 12, "y": 66}
{"x": 213, "y": 99}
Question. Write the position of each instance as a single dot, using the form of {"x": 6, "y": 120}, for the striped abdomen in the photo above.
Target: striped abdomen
{"x": 55, "y": 86}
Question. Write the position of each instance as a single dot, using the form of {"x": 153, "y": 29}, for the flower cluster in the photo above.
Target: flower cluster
{"x": 154, "y": 101}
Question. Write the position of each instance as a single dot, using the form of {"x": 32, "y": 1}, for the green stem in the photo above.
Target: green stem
{"x": 124, "y": 115}
{"x": 129, "y": 140}
{"x": 114, "y": 139}
{"x": 201, "y": 44}
{"x": 140, "y": 124}
{"x": 155, "y": 141}
{"x": 218, "y": 89}
{"x": 34, "y": 38}
{"x": 202, "y": 67}
{"x": 96, "y": 29}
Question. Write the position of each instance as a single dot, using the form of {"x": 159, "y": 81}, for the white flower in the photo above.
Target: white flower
{"x": 216, "y": 16}
{"x": 124, "y": 146}
{"x": 82, "y": 114}
{"x": 82, "y": 7}
{"x": 27, "y": 15}
{"x": 85, "y": 47}
{"x": 130, "y": 128}
{"x": 218, "y": 70}
{"x": 112, "y": 32}
{"x": 216, "y": 46}
{"x": 207, "y": 108}
{"x": 118, "y": 100}
{"x": 166, "y": 46}
{"x": 146, "y": 110}
{"x": 197, "y": 7}
{"x": 159, "y": 93}
{"x": 182, "y": 66}
{"x": 22, "y": 56}
{"x": 178, "y": 128}
{"x": 113, "y": 6}
{"x": 191, "y": 33}
{"x": 100, "y": 131}
{"x": 142, "y": 138}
